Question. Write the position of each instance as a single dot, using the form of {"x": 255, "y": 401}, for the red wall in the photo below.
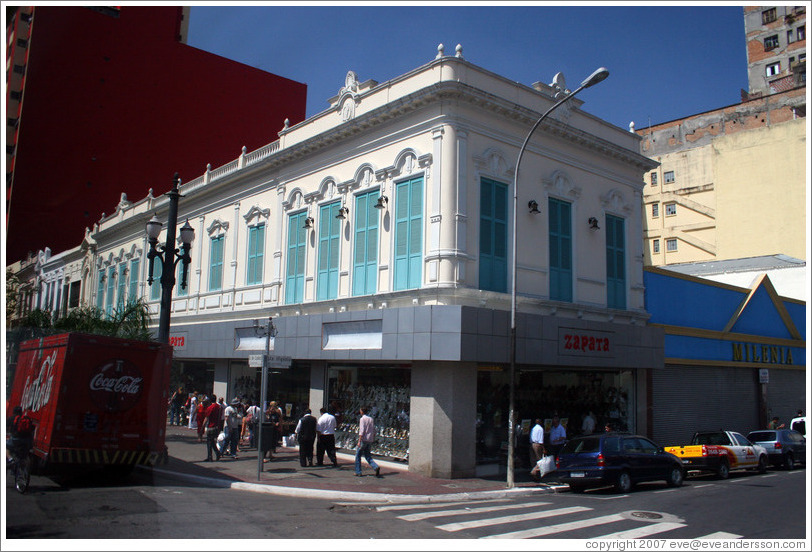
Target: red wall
{"x": 118, "y": 105}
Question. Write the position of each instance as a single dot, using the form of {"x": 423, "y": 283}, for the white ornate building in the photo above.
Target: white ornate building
{"x": 376, "y": 234}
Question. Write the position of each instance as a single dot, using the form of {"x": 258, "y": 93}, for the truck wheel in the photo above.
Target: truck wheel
{"x": 789, "y": 462}
{"x": 723, "y": 472}
{"x": 675, "y": 477}
{"x": 22, "y": 473}
{"x": 762, "y": 464}
{"x": 624, "y": 482}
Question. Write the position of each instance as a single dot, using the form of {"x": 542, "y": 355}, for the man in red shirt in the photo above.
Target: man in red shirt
{"x": 212, "y": 424}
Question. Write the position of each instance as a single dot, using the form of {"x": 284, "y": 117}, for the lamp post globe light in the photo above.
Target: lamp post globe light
{"x": 597, "y": 76}
{"x": 166, "y": 253}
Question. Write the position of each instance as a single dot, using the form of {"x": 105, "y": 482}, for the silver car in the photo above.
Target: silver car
{"x": 785, "y": 447}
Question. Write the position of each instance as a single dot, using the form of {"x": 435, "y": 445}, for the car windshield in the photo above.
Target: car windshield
{"x": 757, "y": 436}
{"x": 577, "y": 446}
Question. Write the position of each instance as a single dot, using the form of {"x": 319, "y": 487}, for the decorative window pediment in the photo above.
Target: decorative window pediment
{"x": 216, "y": 227}
{"x": 493, "y": 163}
{"x": 559, "y": 184}
{"x": 295, "y": 200}
{"x": 255, "y": 212}
{"x": 615, "y": 201}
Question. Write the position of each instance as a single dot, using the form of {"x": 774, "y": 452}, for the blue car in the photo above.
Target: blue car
{"x": 617, "y": 459}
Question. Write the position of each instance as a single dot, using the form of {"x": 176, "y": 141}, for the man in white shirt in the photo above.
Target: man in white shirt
{"x": 558, "y": 436}
{"x": 326, "y": 429}
{"x": 232, "y": 427}
{"x": 366, "y": 436}
{"x": 536, "y": 443}
{"x": 588, "y": 426}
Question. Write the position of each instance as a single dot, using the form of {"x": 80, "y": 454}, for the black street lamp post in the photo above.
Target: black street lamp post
{"x": 166, "y": 253}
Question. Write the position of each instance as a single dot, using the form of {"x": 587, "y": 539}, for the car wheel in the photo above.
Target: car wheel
{"x": 576, "y": 489}
{"x": 789, "y": 462}
{"x": 675, "y": 477}
{"x": 762, "y": 464}
{"x": 624, "y": 482}
{"x": 723, "y": 471}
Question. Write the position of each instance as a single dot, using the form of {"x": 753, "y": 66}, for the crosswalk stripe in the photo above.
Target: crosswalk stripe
{"x": 464, "y": 511}
{"x": 437, "y": 504}
{"x": 560, "y": 528}
{"x": 719, "y": 535}
{"x": 644, "y": 531}
{"x": 511, "y": 519}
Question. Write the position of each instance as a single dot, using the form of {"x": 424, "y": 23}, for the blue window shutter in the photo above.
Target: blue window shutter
{"x": 216, "y": 264}
{"x": 365, "y": 261}
{"x": 615, "y": 263}
{"x": 256, "y": 252}
{"x": 560, "y": 235}
{"x": 297, "y": 239}
{"x": 122, "y": 284}
{"x": 111, "y": 288}
{"x": 135, "y": 267}
{"x": 408, "y": 234}
{"x": 493, "y": 236}
{"x": 329, "y": 233}
{"x": 100, "y": 290}
{"x": 155, "y": 288}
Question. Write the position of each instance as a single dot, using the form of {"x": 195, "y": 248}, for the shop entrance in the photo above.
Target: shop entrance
{"x": 568, "y": 394}
{"x": 386, "y": 391}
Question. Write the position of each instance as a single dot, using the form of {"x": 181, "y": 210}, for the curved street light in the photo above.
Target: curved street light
{"x": 597, "y": 76}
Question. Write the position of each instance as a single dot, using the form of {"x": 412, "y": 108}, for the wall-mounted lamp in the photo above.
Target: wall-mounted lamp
{"x": 382, "y": 201}
{"x": 534, "y": 207}
{"x": 342, "y": 213}
{"x": 593, "y": 223}
{"x": 308, "y": 222}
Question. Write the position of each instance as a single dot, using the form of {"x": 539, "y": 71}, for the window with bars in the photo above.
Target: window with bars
{"x": 768, "y": 16}
{"x": 671, "y": 244}
{"x": 771, "y": 42}
{"x": 670, "y": 209}
{"x": 655, "y": 210}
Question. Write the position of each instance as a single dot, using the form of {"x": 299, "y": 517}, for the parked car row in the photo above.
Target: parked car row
{"x": 621, "y": 459}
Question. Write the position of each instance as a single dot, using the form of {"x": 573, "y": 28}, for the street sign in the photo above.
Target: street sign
{"x": 274, "y": 361}
{"x": 279, "y": 362}
{"x": 764, "y": 375}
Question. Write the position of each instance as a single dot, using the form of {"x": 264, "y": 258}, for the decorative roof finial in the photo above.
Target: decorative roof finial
{"x": 440, "y": 49}
{"x": 631, "y": 126}
{"x": 459, "y": 51}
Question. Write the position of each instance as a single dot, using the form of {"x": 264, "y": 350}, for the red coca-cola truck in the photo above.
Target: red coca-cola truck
{"x": 95, "y": 401}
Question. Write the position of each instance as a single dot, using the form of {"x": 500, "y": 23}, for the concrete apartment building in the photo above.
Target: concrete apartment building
{"x": 729, "y": 195}
{"x": 376, "y": 233}
{"x": 776, "y": 48}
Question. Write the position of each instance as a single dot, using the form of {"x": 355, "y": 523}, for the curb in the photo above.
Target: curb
{"x": 354, "y": 496}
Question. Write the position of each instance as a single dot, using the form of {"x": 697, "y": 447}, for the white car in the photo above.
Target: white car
{"x": 799, "y": 425}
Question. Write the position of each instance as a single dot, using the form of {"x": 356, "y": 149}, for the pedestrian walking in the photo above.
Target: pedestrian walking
{"x": 326, "y": 439}
{"x": 255, "y": 414}
{"x": 536, "y": 442}
{"x": 366, "y": 436}
{"x": 175, "y": 405}
{"x": 192, "y": 410}
{"x": 232, "y": 427}
{"x": 558, "y": 436}
{"x": 212, "y": 424}
{"x": 306, "y": 436}
{"x": 274, "y": 418}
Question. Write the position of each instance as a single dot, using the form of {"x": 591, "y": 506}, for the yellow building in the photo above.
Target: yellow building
{"x": 731, "y": 183}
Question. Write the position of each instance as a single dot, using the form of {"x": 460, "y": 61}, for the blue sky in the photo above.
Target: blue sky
{"x": 665, "y": 62}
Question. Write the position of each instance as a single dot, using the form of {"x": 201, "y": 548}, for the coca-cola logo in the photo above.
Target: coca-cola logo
{"x": 116, "y": 385}
{"x": 37, "y": 392}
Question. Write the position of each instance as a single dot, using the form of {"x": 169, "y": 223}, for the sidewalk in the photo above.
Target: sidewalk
{"x": 284, "y": 476}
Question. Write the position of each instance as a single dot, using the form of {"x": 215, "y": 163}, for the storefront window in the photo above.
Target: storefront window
{"x": 387, "y": 393}
{"x": 568, "y": 394}
{"x": 193, "y": 376}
